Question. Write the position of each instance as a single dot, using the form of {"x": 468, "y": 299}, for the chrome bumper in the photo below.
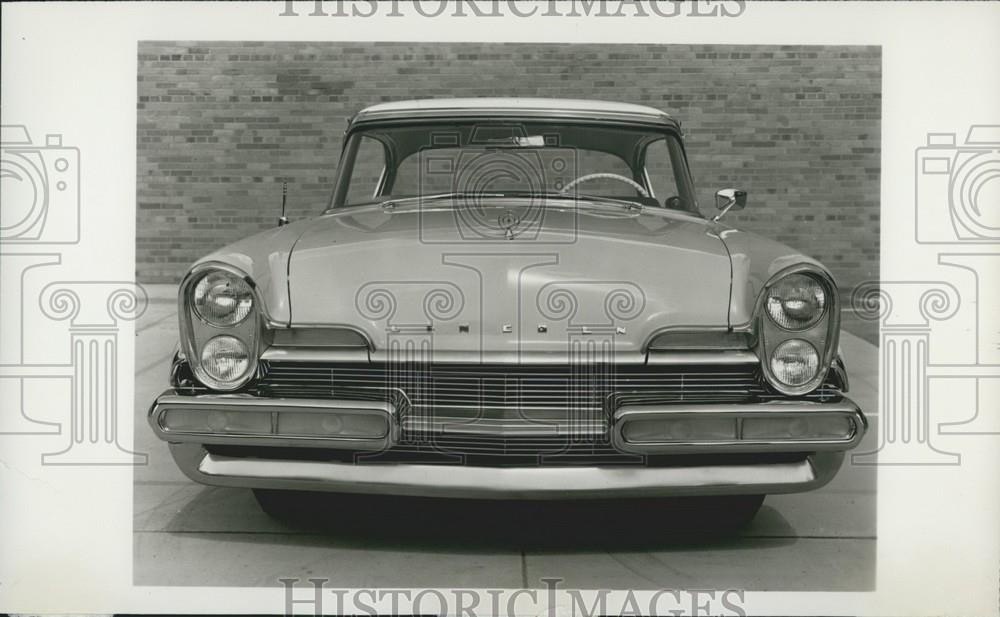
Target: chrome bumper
{"x": 538, "y": 482}
{"x": 506, "y": 483}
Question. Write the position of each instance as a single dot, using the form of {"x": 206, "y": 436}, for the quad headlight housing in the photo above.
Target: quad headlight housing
{"x": 222, "y": 299}
{"x": 794, "y": 362}
{"x": 798, "y": 329}
{"x": 220, "y": 322}
{"x": 796, "y": 301}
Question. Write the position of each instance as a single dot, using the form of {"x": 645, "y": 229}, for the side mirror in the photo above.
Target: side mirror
{"x": 729, "y": 199}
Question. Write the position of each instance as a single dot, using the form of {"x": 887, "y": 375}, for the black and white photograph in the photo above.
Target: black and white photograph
{"x": 491, "y": 319}
{"x": 500, "y": 308}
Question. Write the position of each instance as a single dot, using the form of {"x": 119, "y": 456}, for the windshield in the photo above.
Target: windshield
{"x": 391, "y": 163}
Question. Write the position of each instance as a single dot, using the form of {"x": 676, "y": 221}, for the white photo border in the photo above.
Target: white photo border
{"x": 69, "y": 70}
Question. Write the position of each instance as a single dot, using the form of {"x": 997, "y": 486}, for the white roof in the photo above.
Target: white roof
{"x": 512, "y": 107}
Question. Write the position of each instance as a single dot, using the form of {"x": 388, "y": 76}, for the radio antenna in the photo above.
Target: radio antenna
{"x": 283, "y": 220}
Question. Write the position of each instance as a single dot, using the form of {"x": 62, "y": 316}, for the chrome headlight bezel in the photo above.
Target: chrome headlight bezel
{"x": 196, "y": 331}
{"x": 823, "y": 333}
{"x": 236, "y": 289}
{"x": 773, "y": 293}
{"x": 225, "y": 349}
{"x": 807, "y": 355}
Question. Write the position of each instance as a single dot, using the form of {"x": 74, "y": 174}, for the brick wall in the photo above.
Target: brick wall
{"x": 221, "y": 124}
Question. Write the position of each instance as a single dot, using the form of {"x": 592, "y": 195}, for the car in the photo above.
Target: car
{"x": 510, "y": 299}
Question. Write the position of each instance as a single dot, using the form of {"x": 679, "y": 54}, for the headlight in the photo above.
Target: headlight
{"x": 795, "y": 362}
{"x": 225, "y": 358}
{"x": 222, "y": 299}
{"x": 220, "y": 325}
{"x": 796, "y": 302}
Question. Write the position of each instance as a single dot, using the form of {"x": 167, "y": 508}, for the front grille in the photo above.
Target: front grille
{"x": 516, "y": 415}
{"x": 498, "y": 390}
{"x": 523, "y": 450}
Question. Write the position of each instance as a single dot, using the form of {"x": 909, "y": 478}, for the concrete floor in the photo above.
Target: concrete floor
{"x": 188, "y": 534}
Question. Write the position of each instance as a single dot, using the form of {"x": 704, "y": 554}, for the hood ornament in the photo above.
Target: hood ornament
{"x": 508, "y": 221}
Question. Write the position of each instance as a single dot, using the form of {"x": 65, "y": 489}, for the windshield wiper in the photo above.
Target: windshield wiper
{"x": 627, "y": 204}
{"x": 392, "y": 203}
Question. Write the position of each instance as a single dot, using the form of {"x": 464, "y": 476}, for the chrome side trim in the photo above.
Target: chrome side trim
{"x": 739, "y": 412}
{"x": 707, "y": 339}
{"x": 506, "y": 482}
{"x": 320, "y": 336}
{"x": 315, "y": 354}
{"x": 681, "y": 358}
{"x": 170, "y": 400}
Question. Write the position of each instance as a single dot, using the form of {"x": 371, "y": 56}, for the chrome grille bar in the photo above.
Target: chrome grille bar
{"x": 505, "y": 391}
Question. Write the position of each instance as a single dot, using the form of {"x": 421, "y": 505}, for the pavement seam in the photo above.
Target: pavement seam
{"x": 147, "y": 326}
{"x": 166, "y": 482}
{"x": 524, "y": 570}
{"x": 155, "y": 364}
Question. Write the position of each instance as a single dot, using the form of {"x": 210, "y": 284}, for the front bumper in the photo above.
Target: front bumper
{"x": 199, "y": 460}
{"x": 504, "y": 482}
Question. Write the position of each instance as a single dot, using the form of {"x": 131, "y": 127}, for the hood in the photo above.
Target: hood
{"x": 504, "y": 279}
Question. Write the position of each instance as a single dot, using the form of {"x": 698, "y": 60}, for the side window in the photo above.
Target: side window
{"x": 368, "y": 165}
{"x": 661, "y": 171}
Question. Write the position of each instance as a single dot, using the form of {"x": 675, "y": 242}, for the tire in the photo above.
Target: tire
{"x": 682, "y": 515}
{"x": 286, "y": 506}
{"x": 722, "y": 513}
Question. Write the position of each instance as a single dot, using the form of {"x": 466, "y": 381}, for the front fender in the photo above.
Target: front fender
{"x": 755, "y": 260}
{"x": 264, "y": 258}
